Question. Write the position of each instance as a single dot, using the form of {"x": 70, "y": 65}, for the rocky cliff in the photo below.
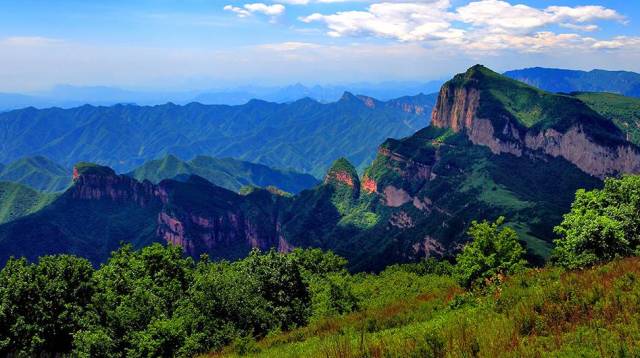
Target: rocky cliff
{"x": 511, "y": 117}
{"x": 194, "y": 214}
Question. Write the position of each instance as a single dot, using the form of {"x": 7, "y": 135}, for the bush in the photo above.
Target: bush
{"x": 42, "y": 305}
{"x": 602, "y": 225}
{"x": 494, "y": 251}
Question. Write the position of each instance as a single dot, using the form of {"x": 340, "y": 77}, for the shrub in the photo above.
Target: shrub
{"x": 494, "y": 251}
{"x": 602, "y": 225}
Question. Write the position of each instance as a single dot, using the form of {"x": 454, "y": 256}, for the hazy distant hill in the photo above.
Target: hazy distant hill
{"x": 67, "y": 96}
{"x": 304, "y": 135}
{"x": 566, "y": 81}
{"x": 325, "y": 94}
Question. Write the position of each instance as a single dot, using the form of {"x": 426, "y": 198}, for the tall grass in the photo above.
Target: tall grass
{"x": 541, "y": 312}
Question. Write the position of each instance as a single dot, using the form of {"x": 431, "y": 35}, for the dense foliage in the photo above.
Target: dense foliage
{"x": 602, "y": 225}
{"x": 155, "y": 302}
{"x": 494, "y": 252}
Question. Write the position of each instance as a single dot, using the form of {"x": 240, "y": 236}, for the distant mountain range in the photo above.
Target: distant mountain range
{"x": 66, "y": 96}
{"x": 567, "y": 81}
{"x": 496, "y": 147}
{"x": 305, "y": 135}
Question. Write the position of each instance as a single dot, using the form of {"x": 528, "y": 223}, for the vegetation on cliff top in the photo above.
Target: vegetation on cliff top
{"x": 623, "y": 111}
{"x": 85, "y": 168}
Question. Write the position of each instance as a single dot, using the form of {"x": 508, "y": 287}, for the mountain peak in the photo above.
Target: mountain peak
{"x": 348, "y": 96}
{"x": 342, "y": 172}
{"x": 84, "y": 168}
{"x": 509, "y": 116}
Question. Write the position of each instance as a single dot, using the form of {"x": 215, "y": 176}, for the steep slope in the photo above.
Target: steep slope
{"x": 17, "y": 200}
{"x": 621, "y": 110}
{"x": 566, "y": 81}
{"x": 510, "y": 117}
{"x": 103, "y": 209}
{"x": 304, "y": 135}
{"x": 438, "y": 181}
{"x": 37, "y": 172}
{"x": 227, "y": 173}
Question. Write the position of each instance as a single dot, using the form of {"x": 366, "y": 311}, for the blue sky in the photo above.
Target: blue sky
{"x": 181, "y": 44}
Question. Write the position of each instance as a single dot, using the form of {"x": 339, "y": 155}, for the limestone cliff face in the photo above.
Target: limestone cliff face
{"x": 219, "y": 234}
{"x": 113, "y": 187}
{"x": 457, "y": 109}
{"x": 207, "y": 229}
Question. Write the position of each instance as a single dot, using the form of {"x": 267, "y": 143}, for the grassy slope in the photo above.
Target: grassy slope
{"x": 225, "y": 172}
{"x": 623, "y": 111}
{"x": 37, "y": 172}
{"x": 547, "y": 312}
{"x": 17, "y": 200}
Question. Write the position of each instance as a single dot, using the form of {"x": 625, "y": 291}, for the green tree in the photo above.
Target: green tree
{"x": 134, "y": 290}
{"x": 602, "y": 225}
{"x": 280, "y": 282}
{"x": 42, "y": 305}
{"x": 318, "y": 262}
{"x": 494, "y": 251}
{"x": 222, "y": 304}
{"x": 332, "y": 295}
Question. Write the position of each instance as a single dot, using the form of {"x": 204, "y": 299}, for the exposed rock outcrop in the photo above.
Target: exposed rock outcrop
{"x": 458, "y": 109}
{"x": 207, "y": 227}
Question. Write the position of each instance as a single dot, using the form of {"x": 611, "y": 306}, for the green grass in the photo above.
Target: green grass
{"x": 623, "y": 111}
{"x": 540, "y": 312}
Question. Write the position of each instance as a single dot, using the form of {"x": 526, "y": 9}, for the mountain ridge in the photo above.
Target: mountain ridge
{"x": 304, "y": 135}
{"x": 562, "y": 80}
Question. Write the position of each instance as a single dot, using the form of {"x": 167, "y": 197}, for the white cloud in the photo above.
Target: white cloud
{"x": 257, "y": 8}
{"x": 481, "y": 25}
{"x": 402, "y": 21}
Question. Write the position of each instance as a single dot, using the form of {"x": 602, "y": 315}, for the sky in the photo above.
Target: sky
{"x": 198, "y": 44}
